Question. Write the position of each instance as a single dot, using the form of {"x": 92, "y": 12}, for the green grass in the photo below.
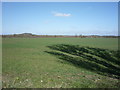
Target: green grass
{"x": 27, "y": 63}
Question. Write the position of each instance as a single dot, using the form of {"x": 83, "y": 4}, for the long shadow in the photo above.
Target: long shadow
{"x": 102, "y": 61}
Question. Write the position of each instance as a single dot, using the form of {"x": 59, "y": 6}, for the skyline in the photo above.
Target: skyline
{"x": 60, "y": 18}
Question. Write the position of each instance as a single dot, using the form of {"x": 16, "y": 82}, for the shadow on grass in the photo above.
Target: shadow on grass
{"x": 102, "y": 61}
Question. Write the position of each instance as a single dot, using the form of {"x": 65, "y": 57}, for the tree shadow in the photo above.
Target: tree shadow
{"x": 102, "y": 61}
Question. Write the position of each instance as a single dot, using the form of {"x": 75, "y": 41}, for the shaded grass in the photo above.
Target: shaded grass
{"x": 102, "y": 61}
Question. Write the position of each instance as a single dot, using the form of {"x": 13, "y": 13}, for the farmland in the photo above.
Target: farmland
{"x": 60, "y": 62}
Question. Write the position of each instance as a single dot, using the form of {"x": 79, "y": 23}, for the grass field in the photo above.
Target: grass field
{"x": 60, "y": 63}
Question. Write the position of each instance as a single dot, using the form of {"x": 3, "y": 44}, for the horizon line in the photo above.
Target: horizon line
{"x": 64, "y": 34}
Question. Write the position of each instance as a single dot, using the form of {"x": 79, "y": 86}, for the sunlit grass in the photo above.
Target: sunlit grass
{"x": 26, "y": 64}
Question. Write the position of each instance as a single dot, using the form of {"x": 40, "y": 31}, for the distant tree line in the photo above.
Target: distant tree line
{"x": 30, "y": 35}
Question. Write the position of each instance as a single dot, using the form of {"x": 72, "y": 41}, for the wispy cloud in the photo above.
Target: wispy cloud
{"x": 61, "y": 14}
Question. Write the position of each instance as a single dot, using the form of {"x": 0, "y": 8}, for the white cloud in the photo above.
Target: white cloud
{"x": 61, "y": 14}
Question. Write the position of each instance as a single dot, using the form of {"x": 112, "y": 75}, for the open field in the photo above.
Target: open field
{"x": 60, "y": 63}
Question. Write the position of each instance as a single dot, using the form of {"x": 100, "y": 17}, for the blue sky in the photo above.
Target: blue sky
{"x": 60, "y": 18}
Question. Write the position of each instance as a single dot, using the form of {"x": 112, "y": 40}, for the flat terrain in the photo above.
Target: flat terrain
{"x": 60, "y": 63}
